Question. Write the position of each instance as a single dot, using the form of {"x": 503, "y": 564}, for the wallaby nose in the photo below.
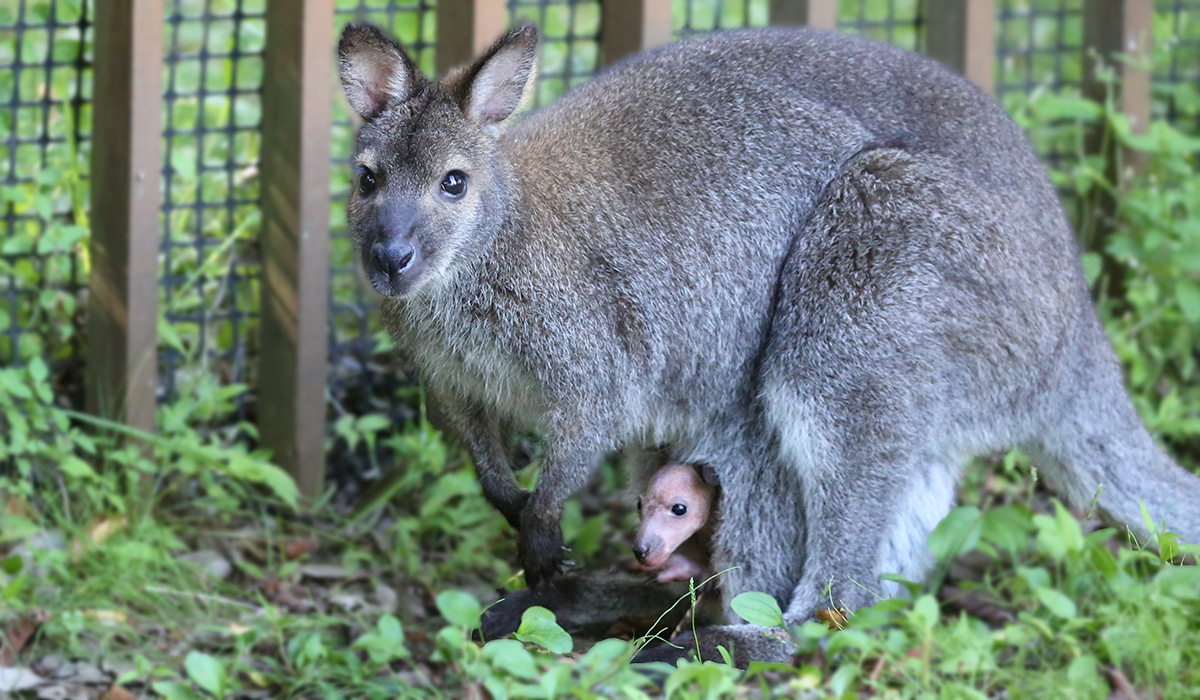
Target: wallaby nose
{"x": 641, "y": 551}
{"x": 392, "y": 256}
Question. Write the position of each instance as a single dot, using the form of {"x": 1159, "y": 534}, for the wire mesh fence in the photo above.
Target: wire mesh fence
{"x": 45, "y": 87}
{"x": 364, "y": 375}
{"x": 1177, "y": 63}
{"x": 212, "y": 123}
{"x": 897, "y": 22}
{"x": 570, "y": 42}
{"x": 698, "y": 16}
{"x": 213, "y": 71}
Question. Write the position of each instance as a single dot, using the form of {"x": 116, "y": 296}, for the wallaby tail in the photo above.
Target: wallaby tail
{"x": 1096, "y": 447}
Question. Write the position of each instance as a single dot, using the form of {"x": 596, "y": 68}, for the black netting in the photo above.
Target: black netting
{"x": 570, "y": 42}
{"x": 690, "y": 17}
{"x": 1177, "y": 63}
{"x": 895, "y": 21}
{"x": 45, "y": 122}
{"x": 211, "y": 218}
{"x": 1039, "y": 47}
{"x": 364, "y": 376}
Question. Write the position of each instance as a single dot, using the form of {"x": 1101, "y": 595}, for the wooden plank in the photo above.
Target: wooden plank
{"x": 821, "y": 14}
{"x": 628, "y": 27}
{"x": 1114, "y": 29}
{"x": 465, "y": 28}
{"x": 294, "y": 342}
{"x": 962, "y": 35}
{"x": 126, "y": 163}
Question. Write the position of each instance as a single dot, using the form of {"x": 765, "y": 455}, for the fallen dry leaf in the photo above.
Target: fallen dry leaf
{"x": 97, "y": 533}
{"x": 116, "y": 692}
{"x": 1122, "y": 689}
{"x": 295, "y": 549}
{"x": 111, "y": 617}
{"x": 17, "y": 634}
{"x": 979, "y": 603}
{"x": 14, "y": 679}
{"x": 836, "y": 619}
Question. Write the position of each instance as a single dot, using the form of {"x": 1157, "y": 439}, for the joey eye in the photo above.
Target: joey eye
{"x": 366, "y": 180}
{"x": 679, "y": 509}
{"x": 454, "y": 184}
{"x": 639, "y": 505}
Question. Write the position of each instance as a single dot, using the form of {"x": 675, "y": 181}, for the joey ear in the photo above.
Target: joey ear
{"x": 708, "y": 474}
{"x": 374, "y": 69}
{"x": 502, "y": 78}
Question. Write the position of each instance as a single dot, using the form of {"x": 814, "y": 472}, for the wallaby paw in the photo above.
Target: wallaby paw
{"x": 662, "y": 652}
{"x": 512, "y": 507}
{"x": 504, "y": 617}
{"x": 540, "y": 547}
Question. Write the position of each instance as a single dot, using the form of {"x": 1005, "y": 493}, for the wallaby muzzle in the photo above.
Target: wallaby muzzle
{"x": 390, "y": 257}
{"x": 648, "y": 550}
{"x": 394, "y": 257}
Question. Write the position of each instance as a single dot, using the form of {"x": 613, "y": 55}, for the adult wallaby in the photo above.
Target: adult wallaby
{"x": 826, "y": 267}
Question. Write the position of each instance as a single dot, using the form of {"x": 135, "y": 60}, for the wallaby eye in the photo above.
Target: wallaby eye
{"x": 639, "y": 505}
{"x": 366, "y": 180}
{"x": 679, "y": 509}
{"x": 454, "y": 184}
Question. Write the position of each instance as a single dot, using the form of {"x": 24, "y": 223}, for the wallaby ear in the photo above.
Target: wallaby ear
{"x": 502, "y": 78}
{"x": 708, "y": 474}
{"x": 374, "y": 69}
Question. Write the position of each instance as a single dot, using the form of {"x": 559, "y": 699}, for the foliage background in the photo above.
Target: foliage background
{"x": 121, "y": 578}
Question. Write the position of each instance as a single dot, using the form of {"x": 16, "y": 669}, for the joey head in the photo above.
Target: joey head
{"x": 678, "y": 511}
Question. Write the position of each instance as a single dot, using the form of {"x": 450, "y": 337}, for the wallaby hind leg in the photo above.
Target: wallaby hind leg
{"x": 854, "y": 377}
{"x": 1094, "y": 446}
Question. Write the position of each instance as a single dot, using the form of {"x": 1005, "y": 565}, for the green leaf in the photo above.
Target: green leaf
{"x": 958, "y": 532}
{"x": 758, "y": 609}
{"x": 510, "y": 656}
{"x": 1007, "y": 527}
{"x": 925, "y": 611}
{"x": 38, "y": 370}
{"x": 12, "y": 565}
{"x": 1082, "y": 671}
{"x": 1069, "y": 531}
{"x": 1091, "y": 266}
{"x": 76, "y": 468}
{"x": 389, "y": 629}
{"x": 207, "y": 672}
{"x": 538, "y": 626}
{"x": 1188, "y": 295}
{"x": 173, "y": 691}
{"x": 459, "y": 608}
{"x": 1058, "y": 604}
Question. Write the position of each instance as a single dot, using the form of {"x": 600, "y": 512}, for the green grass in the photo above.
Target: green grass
{"x": 377, "y": 596}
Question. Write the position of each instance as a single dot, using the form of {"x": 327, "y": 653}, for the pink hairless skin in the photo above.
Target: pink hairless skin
{"x": 677, "y": 523}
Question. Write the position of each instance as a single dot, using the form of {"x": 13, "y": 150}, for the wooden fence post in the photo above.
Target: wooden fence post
{"x": 1111, "y": 29}
{"x": 810, "y": 13}
{"x": 126, "y": 167}
{"x": 294, "y": 342}
{"x": 962, "y": 35}
{"x": 465, "y": 28}
{"x": 630, "y": 26}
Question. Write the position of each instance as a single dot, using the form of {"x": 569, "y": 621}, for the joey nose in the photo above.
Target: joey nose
{"x": 641, "y": 551}
{"x": 391, "y": 257}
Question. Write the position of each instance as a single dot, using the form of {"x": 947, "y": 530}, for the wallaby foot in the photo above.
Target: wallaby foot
{"x": 744, "y": 643}
{"x": 540, "y": 545}
{"x": 591, "y": 604}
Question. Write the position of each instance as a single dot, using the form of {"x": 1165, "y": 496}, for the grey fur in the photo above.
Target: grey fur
{"x": 826, "y": 267}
